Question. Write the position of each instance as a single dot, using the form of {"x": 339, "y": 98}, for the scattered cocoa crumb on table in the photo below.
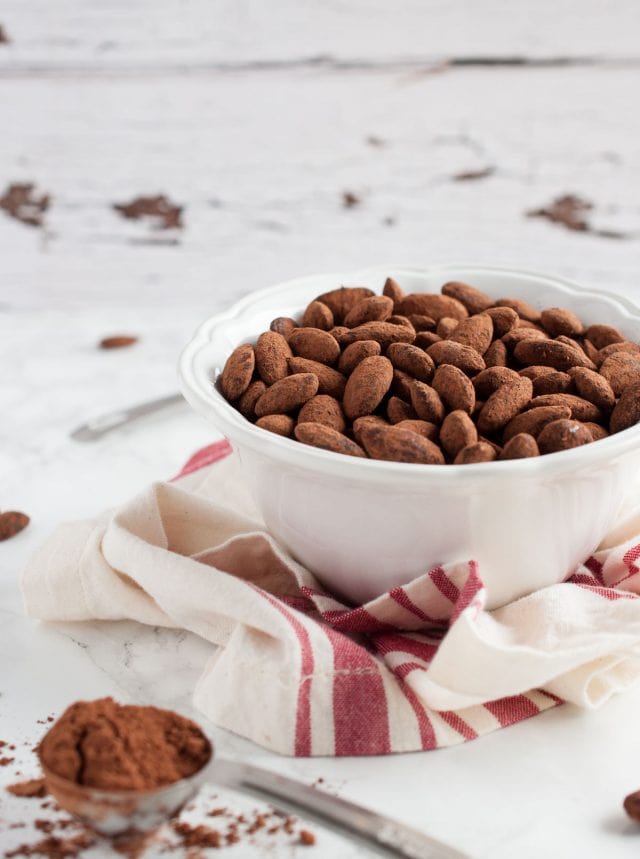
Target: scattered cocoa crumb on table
{"x": 11, "y": 523}
{"x": 54, "y": 847}
{"x": 21, "y": 202}
{"x": 307, "y": 838}
{"x": 33, "y": 788}
{"x": 164, "y": 214}
{"x": 374, "y": 140}
{"x": 350, "y": 199}
{"x": 6, "y": 761}
{"x": 117, "y": 341}
{"x": 568, "y": 210}
{"x": 197, "y": 836}
{"x": 473, "y": 175}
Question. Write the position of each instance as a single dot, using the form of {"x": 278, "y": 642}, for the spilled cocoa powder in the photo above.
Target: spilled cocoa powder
{"x": 110, "y": 746}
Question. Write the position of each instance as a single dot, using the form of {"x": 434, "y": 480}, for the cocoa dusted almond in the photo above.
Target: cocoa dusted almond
{"x": 378, "y": 308}
{"x": 238, "y": 370}
{"x": 433, "y": 305}
{"x": 412, "y": 360}
{"x": 581, "y": 409}
{"x": 323, "y": 409}
{"x": 401, "y": 320}
{"x": 319, "y": 435}
{"x": 504, "y": 404}
{"x": 550, "y": 353}
{"x": 454, "y": 388}
{"x": 287, "y": 394}
{"x": 597, "y": 430}
{"x": 555, "y": 382}
{"x": 522, "y": 308}
{"x": 473, "y": 299}
{"x": 421, "y": 322}
{"x": 283, "y": 325}
{"x": 247, "y": 402}
{"x": 536, "y": 371}
{"x": 616, "y": 348}
{"x": 476, "y": 332}
{"x": 593, "y": 387}
{"x": 533, "y": 421}
{"x": 398, "y": 410}
{"x": 340, "y": 301}
{"x": 504, "y": 320}
{"x": 318, "y": 315}
{"x": 521, "y": 446}
{"x": 314, "y": 344}
{"x": 401, "y": 385}
{"x": 463, "y": 357}
{"x": 563, "y": 435}
{"x": 355, "y": 353}
{"x": 361, "y": 423}
{"x": 338, "y": 331}
{"x": 272, "y": 357}
{"x": 423, "y": 428}
{"x": 383, "y": 333}
{"x": 621, "y": 370}
{"x": 558, "y": 320}
{"x": 520, "y": 333}
{"x": 279, "y": 424}
{"x": 457, "y": 431}
{"x": 394, "y": 291}
{"x": 627, "y": 410}
{"x": 496, "y": 355}
{"x": 11, "y": 523}
{"x": 330, "y": 381}
{"x": 446, "y": 326}
{"x": 489, "y": 380}
{"x": 400, "y": 445}
{"x": 603, "y": 335}
{"x": 426, "y": 402}
{"x": 424, "y": 339}
{"x": 481, "y": 451}
{"x": 367, "y": 386}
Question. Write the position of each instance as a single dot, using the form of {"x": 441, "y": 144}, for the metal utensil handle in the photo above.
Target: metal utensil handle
{"x": 394, "y": 837}
{"x": 97, "y": 427}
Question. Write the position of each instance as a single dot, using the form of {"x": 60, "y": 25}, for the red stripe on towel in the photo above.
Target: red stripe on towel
{"x": 205, "y": 456}
{"x": 402, "y": 598}
{"x": 397, "y": 643}
{"x": 444, "y": 584}
{"x": 458, "y": 724}
{"x": 510, "y": 710}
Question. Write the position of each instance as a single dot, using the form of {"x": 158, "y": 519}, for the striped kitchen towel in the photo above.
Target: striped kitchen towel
{"x": 297, "y": 671}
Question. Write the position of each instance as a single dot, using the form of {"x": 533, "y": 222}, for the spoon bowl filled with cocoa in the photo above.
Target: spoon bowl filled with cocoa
{"x": 391, "y": 420}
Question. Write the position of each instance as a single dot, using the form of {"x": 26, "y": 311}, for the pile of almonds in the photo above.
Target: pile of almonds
{"x": 456, "y": 377}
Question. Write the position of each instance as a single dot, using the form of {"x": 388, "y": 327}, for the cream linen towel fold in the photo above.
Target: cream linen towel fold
{"x": 295, "y": 670}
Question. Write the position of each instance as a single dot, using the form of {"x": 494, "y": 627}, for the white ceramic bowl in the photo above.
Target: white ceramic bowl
{"x": 365, "y": 526}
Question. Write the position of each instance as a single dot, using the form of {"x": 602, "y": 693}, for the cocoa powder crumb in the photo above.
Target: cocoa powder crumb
{"x": 110, "y": 746}
{"x": 162, "y": 212}
{"x": 33, "y": 788}
{"x": 5, "y": 761}
{"x": 473, "y": 175}
{"x": 350, "y": 200}
{"x": 197, "y": 836}
{"x": 53, "y": 847}
{"x": 307, "y": 838}
{"x": 21, "y": 202}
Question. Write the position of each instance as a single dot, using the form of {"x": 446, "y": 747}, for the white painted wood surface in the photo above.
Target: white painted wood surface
{"x": 225, "y": 107}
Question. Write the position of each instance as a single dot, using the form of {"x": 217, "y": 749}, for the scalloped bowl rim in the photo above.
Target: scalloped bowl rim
{"x": 207, "y": 400}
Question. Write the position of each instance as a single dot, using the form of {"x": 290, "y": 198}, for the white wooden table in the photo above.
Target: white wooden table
{"x": 257, "y": 118}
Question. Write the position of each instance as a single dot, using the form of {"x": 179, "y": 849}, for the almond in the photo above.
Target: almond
{"x": 549, "y": 353}
{"x": 412, "y": 360}
{"x": 603, "y": 335}
{"x": 400, "y": 445}
{"x": 378, "y": 308}
{"x": 401, "y": 320}
{"x": 627, "y": 410}
{"x": 489, "y": 380}
{"x": 314, "y": 344}
{"x": 237, "y": 372}
{"x": 432, "y": 305}
{"x": 473, "y": 299}
{"x": 426, "y": 402}
{"x": 476, "y": 332}
{"x": 340, "y": 301}
{"x": 367, "y": 386}
{"x": 617, "y": 348}
{"x": 591, "y": 352}
{"x": 330, "y": 381}
{"x": 279, "y": 424}
{"x": 504, "y": 320}
{"x": 597, "y": 431}
{"x": 360, "y": 423}
{"x": 504, "y": 404}
{"x": 621, "y": 370}
{"x": 319, "y": 435}
{"x": 522, "y": 308}
{"x": 558, "y": 320}
{"x": 424, "y": 339}
{"x": 11, "y": 523}
{"x": 446, "y": 326}
{"x": 573, "y": 344}
{"x": 323, "y": 409}
{"x": 318, "y": 315}
{"x": 272, "y": 357}
{"x": 581, "y": 410}
{"x": 401, "y": 385}
{"x": 521, "y": 446}
{"x": 593, "y": 387}
{"x": 481, "y": 451}
{"x": 355, "y": 353}
{"x": 393, "y": 290}
{"x": 534, "y": 420}
{"x": 422, "y": 323}
{"x": 118, "y": 341}
{"x": 247, "y": 402}
{"x": 383, "y": 333}
{"x": 536, "y": 371}
{"x": 457, "y": 431}
{"x": 496, "y": 355}
{"x": 455, "y": 389}
{"x": 563, "y": 435}
{"x": 283, "y": 325}
{"x": 520, "y": 333}
{"x": 464, "y": 357}
{"x": 398, "y": 410}
{"x": 423, "y": 428}
{"x": 287, "y": 394}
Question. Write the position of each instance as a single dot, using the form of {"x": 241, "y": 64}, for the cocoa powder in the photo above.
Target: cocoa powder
{"x": 109, "y": 746}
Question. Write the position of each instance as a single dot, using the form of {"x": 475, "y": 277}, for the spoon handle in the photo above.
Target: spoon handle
{"x": 102, "y": 424}
{"x": 393, "y": 837}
